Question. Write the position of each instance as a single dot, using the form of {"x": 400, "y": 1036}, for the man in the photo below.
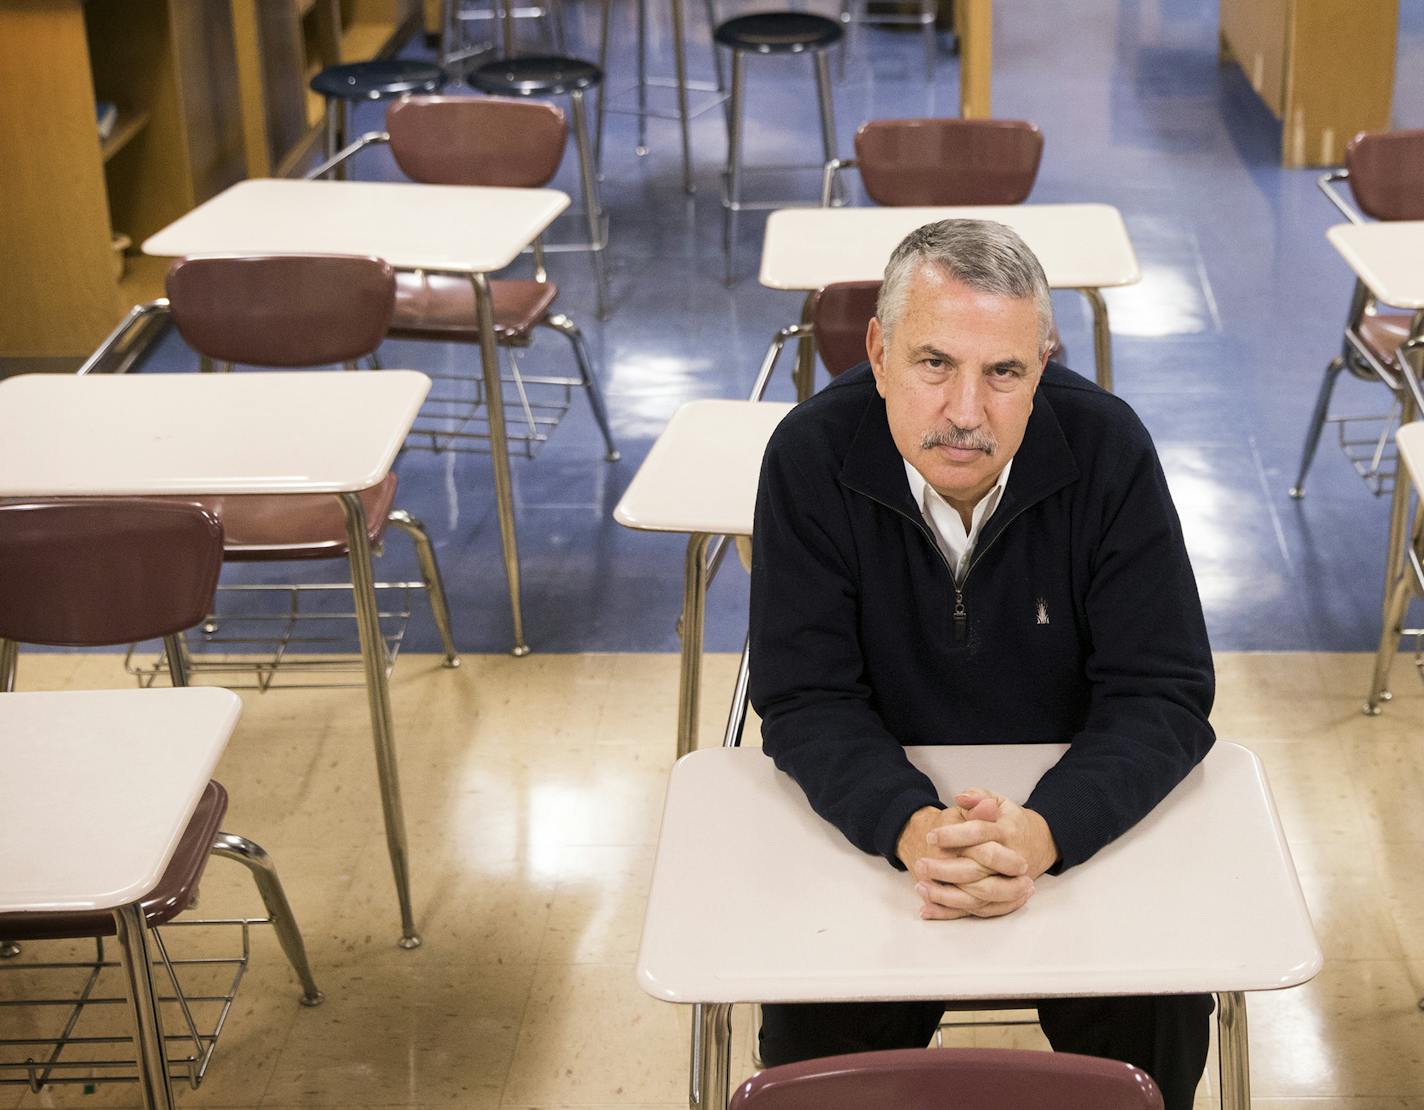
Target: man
{"x": 966, "y": 543}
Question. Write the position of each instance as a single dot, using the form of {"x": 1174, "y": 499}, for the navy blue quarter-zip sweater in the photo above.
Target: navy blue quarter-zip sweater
{"x": 1078, "y": 619}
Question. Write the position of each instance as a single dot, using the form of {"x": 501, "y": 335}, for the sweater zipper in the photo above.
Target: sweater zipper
{"x": 961, "y": 614}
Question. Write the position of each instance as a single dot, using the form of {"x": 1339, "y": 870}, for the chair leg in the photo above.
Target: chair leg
{"x": 177, "y": 659}
{"x": 269, "y": 886}
{"x": 430, "y": 573}
{"x": 9, "y": 661}
{"x": 569, "y": 330}
{"x": 1393, "y": 620}
{"x": 1317, "y": 424}
{"x": 591, "y": 202}
{"x": 732, "y": 188}
{"x": 737, "y": 715}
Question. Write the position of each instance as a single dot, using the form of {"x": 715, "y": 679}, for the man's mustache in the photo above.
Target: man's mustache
{"x": 952, "y": 435}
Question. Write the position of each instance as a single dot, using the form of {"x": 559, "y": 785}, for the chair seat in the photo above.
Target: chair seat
{"x": 172, "y": 895}
{"x": 537, "y": 75}
{"x": 778, "y": 32}
{"x": 442, "y": 306}
{"x": 1384, "y": 333}
{"x": 258, "y": 527}
{"x": 381, "y": 79}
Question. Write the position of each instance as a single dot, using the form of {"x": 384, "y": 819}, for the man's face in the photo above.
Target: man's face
{"x": 958, "y": 372}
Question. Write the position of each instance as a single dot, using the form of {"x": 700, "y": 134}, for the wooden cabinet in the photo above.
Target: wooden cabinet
{"x": 281, "y": 45}
{"x": 168, "y": 66}
{"x": 1325, "y": 68}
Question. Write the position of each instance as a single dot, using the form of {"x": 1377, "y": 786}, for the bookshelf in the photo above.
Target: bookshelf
{"x": 168, "y": 66}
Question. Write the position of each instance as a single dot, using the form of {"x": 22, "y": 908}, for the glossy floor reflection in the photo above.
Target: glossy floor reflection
{"x": 1220, "y": 348}
{"x": 533, "y": 792}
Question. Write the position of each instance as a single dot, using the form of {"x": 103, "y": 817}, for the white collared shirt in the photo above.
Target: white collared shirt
{"x": 944, "y": 520}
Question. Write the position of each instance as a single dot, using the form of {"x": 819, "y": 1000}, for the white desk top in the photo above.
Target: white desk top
{"x": 1386, "y": 257}
{"x": 98, "y": 788}
{"x": 464, "y": 229}
{"x": 1081, "y": 246}
{"x": 322, "y": 431}
{"x": 701, "y": 474}
{"x": 754, "y": 898}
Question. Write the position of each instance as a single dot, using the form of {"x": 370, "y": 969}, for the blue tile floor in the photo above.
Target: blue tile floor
{"x": 1220, "y": 348}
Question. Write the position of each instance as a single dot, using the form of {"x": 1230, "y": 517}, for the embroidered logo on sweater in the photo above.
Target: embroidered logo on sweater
{"x": 1042, "y": 611}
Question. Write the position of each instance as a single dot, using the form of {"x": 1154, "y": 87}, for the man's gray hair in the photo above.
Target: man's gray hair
{"x": 983, "y": 254}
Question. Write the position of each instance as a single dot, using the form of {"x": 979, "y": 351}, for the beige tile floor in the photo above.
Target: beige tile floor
{"x": 533, "y": 789}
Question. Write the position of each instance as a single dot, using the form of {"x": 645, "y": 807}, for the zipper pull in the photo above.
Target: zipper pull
{"x": 961, "y": 618}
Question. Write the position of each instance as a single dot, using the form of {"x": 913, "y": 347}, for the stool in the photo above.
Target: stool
{"x": 551, "y": 75}
{"x": 381, "y": 79}
{"x": 679, "y": 82}
{"x": 768, "y": 33}
{"x": 455, "y": 49}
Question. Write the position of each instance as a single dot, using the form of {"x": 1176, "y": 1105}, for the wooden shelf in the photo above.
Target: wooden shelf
{"x": 130, "y": 123}
{"x": 360, "y": 41}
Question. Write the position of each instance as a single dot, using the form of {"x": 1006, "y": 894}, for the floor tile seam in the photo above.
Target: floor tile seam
{"x": 519, "y": 1029}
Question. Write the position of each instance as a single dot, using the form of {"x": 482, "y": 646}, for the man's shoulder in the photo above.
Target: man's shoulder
{"x": 1094, "y": 421}
{"x": 821, "y": 428}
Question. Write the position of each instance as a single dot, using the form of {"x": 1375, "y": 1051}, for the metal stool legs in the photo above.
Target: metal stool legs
{"x": 284, "y": 923}
{"x": 569, "y": 330}
{"x": 732, "y": 176}
{"x": 733, "y": 197}
{"x": 593, "y": 206}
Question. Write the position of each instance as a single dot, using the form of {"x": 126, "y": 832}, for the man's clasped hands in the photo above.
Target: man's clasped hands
{"x": 978, "y": 858}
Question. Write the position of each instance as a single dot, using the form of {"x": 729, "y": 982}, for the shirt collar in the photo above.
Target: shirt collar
{"x": 921, "y": 491}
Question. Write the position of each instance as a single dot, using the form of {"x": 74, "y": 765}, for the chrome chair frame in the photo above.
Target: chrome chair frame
{"x": 54, "y": 1069}
{"x": 374, "y": 660}
{"x": 1404, "y": 559}
{"x": 1360, "y": 360}
{"x": 540, "y": 424}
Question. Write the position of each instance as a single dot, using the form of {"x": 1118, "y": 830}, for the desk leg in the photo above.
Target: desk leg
{"x": 713, "y": 1071}
{"x": 1102, "y": 338}
{"x": 694, "y": 604}
{"x": 679, "y": 56}
{"x": 1233, "y": 1061}
{"x": 153, "y": 1081}
{"x": 803, "y": 371}
{"x": 499, "y": 455}
{"x": 378, "y": 695}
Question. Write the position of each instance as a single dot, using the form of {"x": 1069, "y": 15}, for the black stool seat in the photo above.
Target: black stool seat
{"x": 778, "y": 32}
{"x": 537, "y": 75}
{"x": 381, "y": 79}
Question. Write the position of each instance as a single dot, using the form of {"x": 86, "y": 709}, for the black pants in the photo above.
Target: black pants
{"x": 1166, "y": 1036}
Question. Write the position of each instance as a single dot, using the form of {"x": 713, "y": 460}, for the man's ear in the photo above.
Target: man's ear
{"x": 875, "y": 351}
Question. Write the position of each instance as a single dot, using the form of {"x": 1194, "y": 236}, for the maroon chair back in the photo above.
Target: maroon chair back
{"x": 282, "y": 310}
{"x": 1387, "y": 173}
{"x": 840, "y": 314}
{"x": 948, "y": 161}
{"x": 448, "y": 140}
{"x": 93, "y": 573}
{"x": 951, "y": 1079}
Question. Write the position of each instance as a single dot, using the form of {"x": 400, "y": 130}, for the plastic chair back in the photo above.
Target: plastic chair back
{"x": 1387, "y": 173}
{"x": 840, "y": 314}
{"x": 948, "y": 161}
{"x": 94, "y": 573}
{"x": 282, "y": 310}
{"x": 951, "y": 1079}
{"x": 498, "y": 141}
